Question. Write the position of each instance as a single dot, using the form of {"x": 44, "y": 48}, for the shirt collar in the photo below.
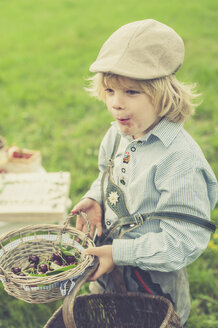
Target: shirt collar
{"x": 165, "y": 131}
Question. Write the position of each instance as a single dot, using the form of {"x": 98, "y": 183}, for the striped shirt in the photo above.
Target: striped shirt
{"x": 165, "y": 170}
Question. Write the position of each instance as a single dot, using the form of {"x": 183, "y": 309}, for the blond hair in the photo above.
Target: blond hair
{"x": 171, "y": 98}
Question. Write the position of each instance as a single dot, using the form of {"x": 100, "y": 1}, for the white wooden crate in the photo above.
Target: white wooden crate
{"x": 34, "y": 197}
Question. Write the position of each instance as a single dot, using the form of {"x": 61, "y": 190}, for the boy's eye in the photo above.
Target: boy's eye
{"x": 108, "y": 90}
{"x": 132, "y": 92}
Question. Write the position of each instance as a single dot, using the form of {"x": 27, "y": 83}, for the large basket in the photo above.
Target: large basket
{"x": 16, "y": 246}
{"x": 112, "y": 310}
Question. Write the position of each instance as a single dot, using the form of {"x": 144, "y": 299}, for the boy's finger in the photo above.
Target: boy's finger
{"x": 99, "y": 229}
{"x": 92, "y": 231}
{"x": 79, "y": 225}
{"x": 77, "y": 208}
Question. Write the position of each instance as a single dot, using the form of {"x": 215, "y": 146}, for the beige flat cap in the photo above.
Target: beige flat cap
{"x": 145, "y": 49}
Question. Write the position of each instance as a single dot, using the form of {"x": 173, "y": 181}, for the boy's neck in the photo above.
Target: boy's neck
{"x": 150, "y": 127}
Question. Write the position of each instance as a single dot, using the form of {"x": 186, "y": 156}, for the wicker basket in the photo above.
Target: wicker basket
{"x": 129, "y": 310}
{"x": 16, "y": 246}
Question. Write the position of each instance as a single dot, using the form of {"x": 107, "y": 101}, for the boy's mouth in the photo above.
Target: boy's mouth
{"x": 123, "y": 120}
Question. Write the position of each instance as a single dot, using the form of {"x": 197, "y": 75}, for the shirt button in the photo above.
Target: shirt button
{"x": 133, "y": 148}
{"x": 108, "y": 223}
{"x": 122, "y": 181}
{"x": 123, "y": 170}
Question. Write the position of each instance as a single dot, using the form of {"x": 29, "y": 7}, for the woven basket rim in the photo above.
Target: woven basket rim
{"x": 10, "y": 234}
{"x": 46, "y": 229}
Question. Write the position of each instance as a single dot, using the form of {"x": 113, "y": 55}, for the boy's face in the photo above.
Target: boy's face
{"x": 131, "y": 108}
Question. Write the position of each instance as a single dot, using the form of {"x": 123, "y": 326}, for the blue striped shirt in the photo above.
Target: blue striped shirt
{"x": 165, "y": 170}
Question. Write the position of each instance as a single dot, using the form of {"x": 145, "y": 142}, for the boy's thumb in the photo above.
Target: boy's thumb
{"x": 92, "y": 251}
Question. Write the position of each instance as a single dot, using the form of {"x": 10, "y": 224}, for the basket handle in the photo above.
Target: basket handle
{"x": 84, "y": 216}
{"x": 69, "y": 300}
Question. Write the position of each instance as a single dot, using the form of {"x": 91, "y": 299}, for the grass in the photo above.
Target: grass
{"x": 46, "y": 48}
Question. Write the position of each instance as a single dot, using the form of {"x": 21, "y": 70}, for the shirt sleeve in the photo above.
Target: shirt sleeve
{"x": 175, "y": 244}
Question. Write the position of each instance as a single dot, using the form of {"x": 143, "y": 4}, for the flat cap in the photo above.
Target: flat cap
{"x": 145, "y": 49}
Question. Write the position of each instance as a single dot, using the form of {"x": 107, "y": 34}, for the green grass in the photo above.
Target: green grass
{"x": 46, "y": 48}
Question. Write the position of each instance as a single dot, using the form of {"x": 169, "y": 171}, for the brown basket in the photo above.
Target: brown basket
{"x": 16, "y": 246}
{"x": 110, "y": 310}
{"x": 114, "y": 310}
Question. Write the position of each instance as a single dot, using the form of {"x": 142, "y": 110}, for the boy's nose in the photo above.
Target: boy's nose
{"x": 118, "y": 102}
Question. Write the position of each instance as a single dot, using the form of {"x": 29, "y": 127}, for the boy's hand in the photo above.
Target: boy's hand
{"x": 106, "y": 263}
{"x": 94, "y": 213}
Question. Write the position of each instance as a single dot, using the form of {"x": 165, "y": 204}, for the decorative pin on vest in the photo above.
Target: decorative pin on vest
{"x": 126, "y": 158}
{"x": 113, "y": 197}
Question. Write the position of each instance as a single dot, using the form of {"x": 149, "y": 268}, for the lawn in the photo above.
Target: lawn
{"x": 46, "y": 48}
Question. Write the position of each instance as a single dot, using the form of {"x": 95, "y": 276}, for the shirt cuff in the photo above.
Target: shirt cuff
{"x": 122, "y": 252}
{"x": 93, "y": 195}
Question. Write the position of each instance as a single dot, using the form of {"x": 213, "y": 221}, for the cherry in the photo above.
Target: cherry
{"x": 58, "y": 262}
{"x": 34, "y": 259}
{"x": 16, "y": 270}
{"x": 43, "y": 268}
{"x": 56, "y": 256}
{"x": 70, "y": 258}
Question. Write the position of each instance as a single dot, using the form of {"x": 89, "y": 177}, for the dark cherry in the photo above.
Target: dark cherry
{"x": 58, "y": 262}
{"x": 34, "y": 259}
{"x": 55, "y": 256}
{"x": 16, "y": 270}
{"x": 43, "y": 268}
{"x": 70, "y": 258}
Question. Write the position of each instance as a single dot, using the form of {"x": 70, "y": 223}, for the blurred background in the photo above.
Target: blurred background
{"x": 46, "y": 48}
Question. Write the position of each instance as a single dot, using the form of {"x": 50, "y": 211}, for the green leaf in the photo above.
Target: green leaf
{"x": 37, "y": 275}
{"x": 62, "y": 269}
{"x": 69, "y": 251}
{"x": 55, "y": 266}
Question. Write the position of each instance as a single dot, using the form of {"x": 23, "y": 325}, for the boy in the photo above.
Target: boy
{"x": 155, "y": 190}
